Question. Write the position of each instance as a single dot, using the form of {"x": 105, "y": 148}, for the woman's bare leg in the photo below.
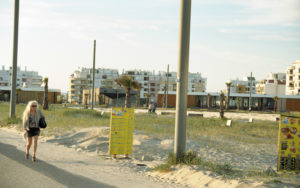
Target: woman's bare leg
{"x": 35, "y": 143}
{"x": 28, "y": 145}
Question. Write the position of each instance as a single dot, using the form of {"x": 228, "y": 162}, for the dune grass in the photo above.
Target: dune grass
{"x": 225, "y": 170}
{"x": 61, "y": 119}
{"x": 163, "y": 126}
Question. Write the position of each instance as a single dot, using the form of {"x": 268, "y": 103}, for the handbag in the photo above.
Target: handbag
{"x": 42, "y": 123}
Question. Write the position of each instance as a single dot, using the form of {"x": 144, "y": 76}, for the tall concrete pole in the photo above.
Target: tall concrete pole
{"x": 14, "y": 63}
{"x": 182, "y": 78}
{"x": 250, "y": 98}
{"x": 167, "y": 87}
{"x": 93, "y": 88}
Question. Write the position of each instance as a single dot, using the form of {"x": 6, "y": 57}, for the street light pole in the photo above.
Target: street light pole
{"x": 250, "y": 98}
{"x": 182, "y": 79}
{"x": 94, "y": 58}
{"x": 14, "y": 63}
{"x": 167, "y": 87}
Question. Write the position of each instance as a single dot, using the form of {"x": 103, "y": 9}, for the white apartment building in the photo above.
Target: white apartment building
{"x": 274, "y": 84}
{"x": 153, "y": 83}
{"x": 293, "y": 79}
{"x": 196, "y": 83}
{"x": 149, "y": 81}
{"x": 82, "y": 79}
{"x": 243, "y": 86}
{"x": 27, "y": 79}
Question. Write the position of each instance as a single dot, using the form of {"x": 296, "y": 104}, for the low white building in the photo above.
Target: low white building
{"x": 293, "y": 79}
{"x": 26, "y": 79}
{"x": 274, "y": 84}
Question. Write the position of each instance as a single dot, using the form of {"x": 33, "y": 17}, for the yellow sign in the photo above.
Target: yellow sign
{"x": 121, "y": 131}
{"x": 289, "y": 144}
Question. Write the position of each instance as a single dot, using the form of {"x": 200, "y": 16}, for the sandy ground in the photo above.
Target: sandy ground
{"x": 229, "y": 115}
{"x": 149, "y": 151}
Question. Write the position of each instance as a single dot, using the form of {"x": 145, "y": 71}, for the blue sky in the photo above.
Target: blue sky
{"x": 229, "y": 38}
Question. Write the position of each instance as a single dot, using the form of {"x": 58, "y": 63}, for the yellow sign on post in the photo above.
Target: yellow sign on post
{"x": 121, "y": 131}
{"x": 289, "y": 144}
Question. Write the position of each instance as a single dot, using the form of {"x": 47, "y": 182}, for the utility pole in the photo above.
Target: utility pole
{"x": 250, "y": 98}
{"x": 167, "y": 87}
{"x": 94, "y": 58}
{"x": 14, "y": 63}
{"x": 182, "y": 78}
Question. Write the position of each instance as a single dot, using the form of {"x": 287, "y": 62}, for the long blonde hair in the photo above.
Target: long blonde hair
{"x": 26, "y": 112}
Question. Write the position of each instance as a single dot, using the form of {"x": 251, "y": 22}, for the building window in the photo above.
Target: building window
{"x": 146, "y": 78}
{"x": 104, "y": 77}
{"x": 145, "y": 89}
{"x": 130, "y": 73}
{"x": 152, "y": 84}
{"x": 152, "y": 89}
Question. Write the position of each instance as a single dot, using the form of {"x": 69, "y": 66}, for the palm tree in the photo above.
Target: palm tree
{"x": 228, "y": 84}
{"x": 128, "y": 83}
{"x": 275, "y": 103}
{"x": 46, "y": 101}
{"x": 222, "y": 105}
{"x": 238, "y": 102}
{"x": 208, "y": 100}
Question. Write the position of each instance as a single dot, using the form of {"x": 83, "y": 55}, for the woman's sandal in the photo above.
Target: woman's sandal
{"x": 27, "y": 155}
{"x": 33, "y": 158}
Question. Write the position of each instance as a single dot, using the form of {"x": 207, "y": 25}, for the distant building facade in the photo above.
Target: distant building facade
{"x": 244, "y": 85}
{"x": 274, "y": 84}
{"x": 151, "y": 83}
{"x": 26, "y": 79}
{"x": 82, "y": 79}
{"x": 293, "y": 79}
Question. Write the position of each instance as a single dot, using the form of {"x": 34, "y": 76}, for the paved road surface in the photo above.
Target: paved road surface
{"x": 59, "y": 166}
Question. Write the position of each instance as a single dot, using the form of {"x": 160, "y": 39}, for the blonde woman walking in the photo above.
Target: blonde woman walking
{"x": 31, "y": 117}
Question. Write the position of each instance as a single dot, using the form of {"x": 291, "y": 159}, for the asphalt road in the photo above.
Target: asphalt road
{"x": 16, "y": 171}
{"x": 59, "y": 166}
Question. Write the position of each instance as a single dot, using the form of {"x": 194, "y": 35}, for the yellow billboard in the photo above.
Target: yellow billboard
{"x": 121, "y": 131}
{"x": 289, "y": 143}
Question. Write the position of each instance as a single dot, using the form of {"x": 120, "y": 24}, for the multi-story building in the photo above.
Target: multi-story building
{"x": 293, "y": 79}
{"x": 196, "y": 83}
{"x": 28, "y": 79}
{"x": 243, "y": 86}
{"x": 82, "y": 79}
{"x": 149, "y": 81}
{"x": 274, "y": 84}
{"x": 153, "y": 83}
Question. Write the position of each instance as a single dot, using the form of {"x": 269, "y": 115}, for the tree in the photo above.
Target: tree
{"x": 46, "y": 100}
{"x": 208, "y": 100}
{"x": 222, "y": 105}
{"x": 137, "y": 102}
{"x": 228, "y": 84}
{"x": 238, "y": 102}
{"x": 275, "y": 103}
{"x": 128, "y": 83}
